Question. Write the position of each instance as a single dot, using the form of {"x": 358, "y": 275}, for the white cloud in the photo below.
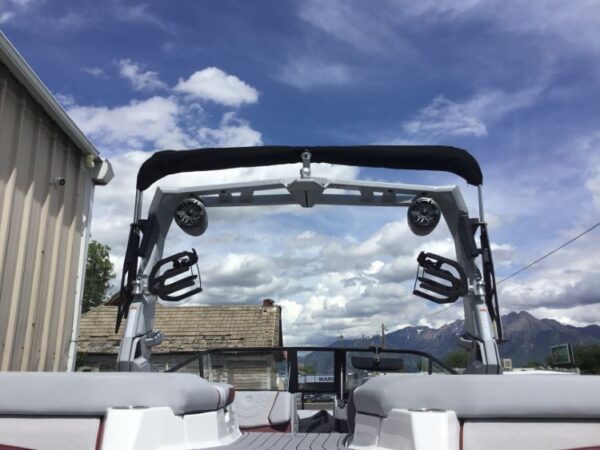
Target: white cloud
{"x": 241, "y": 270}
{"x": 240, "y": 278}
{"x": 22, "y": 2}
{"x": 168, "y": 121}
{"x": 593, "y": 185}
{"x": 215, "y": 85}
{"x": 567, "y": 279}
{"x": 365, "y": 29}
{"x": 69, "y": 22}
{"x": 164, "y": 121}
{"x": 444, "y": 117}
{"x": 10, "y": 9}
{"x": 232, "y": 132}
{"x": 6, "y": 16}
{"x": 503, "y": 254}
{"x": 393, "y": 238}
{"x": 347, "y": 303}
{"x": 153, "y": 122}
{"x": 548, "y": 18}
{"x": 373, "y": 29}
{"x": 140, "y": 80}
{"x": 305, "y": 73}
{"x": 559, "y": 288}
{"x": 590, "y": 147}
{"x": 138, "y": 13}
{"x": 66, "y": 100}
{"x": 39, "y": 13}
{"x": 575, "y": 315}
{"x": 448, "y": 8}
{"x": 94, "y": 71}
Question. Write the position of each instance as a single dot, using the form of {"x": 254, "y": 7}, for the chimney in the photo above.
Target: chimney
{"x": 267, "y": 302}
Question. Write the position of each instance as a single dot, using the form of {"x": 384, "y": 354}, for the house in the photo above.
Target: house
{"x": 190, "y": 329}
{"x": 48, "y": 172}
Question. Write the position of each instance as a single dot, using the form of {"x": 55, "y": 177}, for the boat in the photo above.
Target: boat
{"x": 380, "y": 398}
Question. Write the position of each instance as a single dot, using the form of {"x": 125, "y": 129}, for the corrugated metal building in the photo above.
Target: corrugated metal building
{"x": 48, "y": 170}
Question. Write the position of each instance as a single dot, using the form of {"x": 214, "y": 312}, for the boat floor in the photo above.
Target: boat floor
{"x": 285, "y": 441}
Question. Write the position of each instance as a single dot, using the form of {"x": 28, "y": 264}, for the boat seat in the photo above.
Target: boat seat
{"x": 265, "y": 410}
{"x": 524, "y": 397}
{"x": 90, "y": 394}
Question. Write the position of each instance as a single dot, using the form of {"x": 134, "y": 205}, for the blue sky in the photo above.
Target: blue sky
{"x": 516, "y": 83}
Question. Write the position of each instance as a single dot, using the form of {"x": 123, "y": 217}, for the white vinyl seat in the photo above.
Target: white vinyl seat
{"x": 90, "y": 394}
{"x": 496, "y": 412}
{"x": 484, "y": 396}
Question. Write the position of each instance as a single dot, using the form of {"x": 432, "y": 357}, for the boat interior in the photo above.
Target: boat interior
{"x": 368, "y": 398}
{"x": 427, "y": 409}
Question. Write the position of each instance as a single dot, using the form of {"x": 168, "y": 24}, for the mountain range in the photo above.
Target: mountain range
{"x": 528, "y": 339}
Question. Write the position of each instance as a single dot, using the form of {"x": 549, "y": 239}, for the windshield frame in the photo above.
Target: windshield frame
{"x": 339, "y": 363}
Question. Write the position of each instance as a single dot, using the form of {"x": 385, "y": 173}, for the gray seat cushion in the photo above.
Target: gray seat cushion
{"x": 90, "y": 394}
{"x": 484, "y": 396}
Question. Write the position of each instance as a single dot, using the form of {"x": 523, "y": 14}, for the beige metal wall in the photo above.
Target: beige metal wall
{"x": 42, "y": 229}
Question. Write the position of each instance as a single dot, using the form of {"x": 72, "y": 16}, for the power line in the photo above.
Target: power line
{"x": 570, "y": 241}
{"x": 435, "y": 313}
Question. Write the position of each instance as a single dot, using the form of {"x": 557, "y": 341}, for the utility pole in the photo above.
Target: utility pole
{"x": 341, "y": 340}
{"x": 383, "y": 330}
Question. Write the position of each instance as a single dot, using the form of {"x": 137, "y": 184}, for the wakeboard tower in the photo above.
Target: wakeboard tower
{"x": 371, "y": 398}
{"x": 147, "y": 276}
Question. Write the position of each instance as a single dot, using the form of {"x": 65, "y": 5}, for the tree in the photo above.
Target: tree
{"x": 587, "y": 358}
{"x": 308, "y": 369}
{"x": 98, "y": 273}
{"x": 457, "y": 359}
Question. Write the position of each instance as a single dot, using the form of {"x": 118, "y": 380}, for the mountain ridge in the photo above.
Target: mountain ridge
{"x": 528, "y": 339}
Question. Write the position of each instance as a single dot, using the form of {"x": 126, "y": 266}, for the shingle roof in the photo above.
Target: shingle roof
{"x": 189, "y": 328}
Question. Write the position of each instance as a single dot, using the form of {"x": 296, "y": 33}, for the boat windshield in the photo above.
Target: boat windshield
{"x": 307, "y": 370}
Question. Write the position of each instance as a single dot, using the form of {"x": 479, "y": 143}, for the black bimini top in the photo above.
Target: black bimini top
{"x": 417, "y": 157}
